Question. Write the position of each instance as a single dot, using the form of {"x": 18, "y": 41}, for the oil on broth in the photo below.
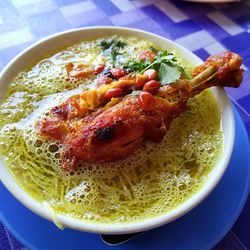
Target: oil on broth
{"x": 152, "y": 181}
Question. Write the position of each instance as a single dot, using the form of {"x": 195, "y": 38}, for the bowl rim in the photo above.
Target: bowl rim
{"x": 131, "y": 227}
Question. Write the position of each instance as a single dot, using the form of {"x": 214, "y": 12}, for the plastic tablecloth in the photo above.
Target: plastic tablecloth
{"x": 202, "y": 28}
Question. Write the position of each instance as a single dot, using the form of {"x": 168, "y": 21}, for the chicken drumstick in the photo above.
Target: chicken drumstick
{"x": 112, "y": 133}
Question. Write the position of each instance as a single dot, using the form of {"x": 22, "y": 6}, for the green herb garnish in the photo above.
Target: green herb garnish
{"x": 168, "y": 74}
{"x": 154, "y": 50}
{"x": 164, "y": 63}
{"x": 138, "y": 66}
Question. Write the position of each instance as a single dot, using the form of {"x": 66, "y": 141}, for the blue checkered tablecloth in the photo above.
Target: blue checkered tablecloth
{"x": 203, "y": 28}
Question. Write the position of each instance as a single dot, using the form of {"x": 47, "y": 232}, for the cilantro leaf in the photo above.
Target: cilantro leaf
{"x": 137, "y": 66}
{"x": 168, "y": 74}
{"x": 164, "y": 63}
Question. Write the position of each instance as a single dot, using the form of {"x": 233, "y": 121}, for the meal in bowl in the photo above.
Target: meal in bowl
{"x": 92, "y": 131}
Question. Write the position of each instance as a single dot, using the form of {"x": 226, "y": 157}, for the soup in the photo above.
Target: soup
{"x": 153, "y": 180}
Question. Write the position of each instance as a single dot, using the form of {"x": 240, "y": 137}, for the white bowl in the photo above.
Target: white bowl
{"x": 55, "y": 42}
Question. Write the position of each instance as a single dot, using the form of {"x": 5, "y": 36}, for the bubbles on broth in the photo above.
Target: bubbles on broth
{"x": 155, "y": 179}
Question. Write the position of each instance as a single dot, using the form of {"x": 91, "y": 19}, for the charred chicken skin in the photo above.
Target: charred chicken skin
{"x": 106, "y": 124}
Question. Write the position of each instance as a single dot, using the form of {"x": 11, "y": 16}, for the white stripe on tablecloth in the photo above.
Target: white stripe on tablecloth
{"x": 127, "y": 17}
{"x": 225, "y": 23}
{"x": 123, "y": 5}
{"x": 171, "y": 11}
{"x": 19, "y": 3}
{"x": 15, "y": 37}
{"x": 214, "y": 48}
{"x": 38, "y": 8}
{"x": 77, "y": 8}
{"x": 196, "y": 40}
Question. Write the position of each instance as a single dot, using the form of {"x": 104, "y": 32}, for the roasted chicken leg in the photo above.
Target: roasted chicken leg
{"x": 113, "y": 130}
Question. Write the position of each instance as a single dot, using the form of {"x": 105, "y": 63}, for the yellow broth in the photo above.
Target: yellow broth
{"x": 153, "y": 180}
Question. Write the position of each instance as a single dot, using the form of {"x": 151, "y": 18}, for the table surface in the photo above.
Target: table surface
{"x": 203, "y": 28}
